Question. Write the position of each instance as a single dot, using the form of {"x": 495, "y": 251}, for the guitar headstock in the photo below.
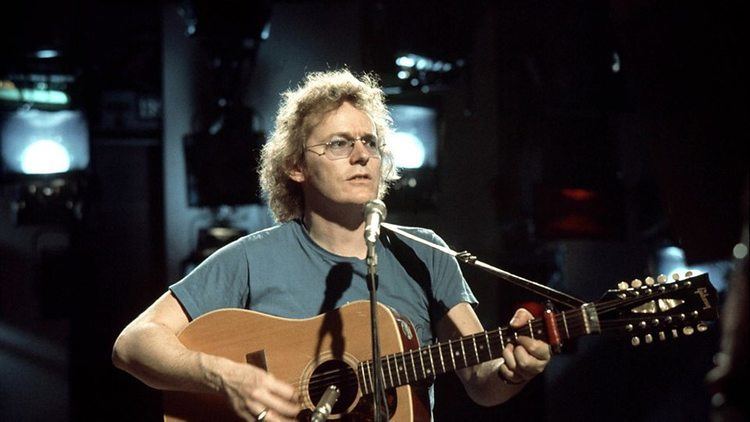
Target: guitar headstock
{"x": 657, "y": 309}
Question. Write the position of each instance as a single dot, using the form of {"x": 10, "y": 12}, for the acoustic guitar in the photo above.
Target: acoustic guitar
{"x": 334, "y": 348}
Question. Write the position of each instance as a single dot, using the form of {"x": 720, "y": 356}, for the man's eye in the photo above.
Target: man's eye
{"x": 338, "y": 143}
{"x": 371, "y": 142}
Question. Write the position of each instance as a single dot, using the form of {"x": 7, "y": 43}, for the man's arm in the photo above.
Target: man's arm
{"x": 148, "y": 348}
{"x": 495, "y": 381}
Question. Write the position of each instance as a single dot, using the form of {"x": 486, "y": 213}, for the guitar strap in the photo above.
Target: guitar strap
{"x": 417, "y": 270}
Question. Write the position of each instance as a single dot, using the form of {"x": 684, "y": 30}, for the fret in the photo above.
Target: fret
{"x": 502, "y": 341}
{"x": 406, "y": 372}
{"x": 395, "y": 363}
{"x": 515, "y": 336}
{"x": 450, "y": 347}
{"x": 476, "y": 351}
{"x": 432, "y": 364}
{"x": 442, "y": 362}
{"x": 489, "y": 347}
{"x": 531, "y": 330}
{"x": 424, "y": 374}
{"x": 390, "y": 375}
{"x": 413, "y": 366}
{"x": 565, "y": 323}
{"x": 463, "y": 353}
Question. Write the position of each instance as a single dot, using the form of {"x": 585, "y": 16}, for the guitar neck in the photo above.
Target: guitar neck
{"x": 664, "y": 307}
{"x": 429, "y": 361}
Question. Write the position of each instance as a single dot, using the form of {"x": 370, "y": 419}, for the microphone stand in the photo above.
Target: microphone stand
{"x": 372, "y": 285}
{"x": 553, "y": 295}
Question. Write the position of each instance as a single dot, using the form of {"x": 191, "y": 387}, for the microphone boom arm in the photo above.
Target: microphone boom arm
{"x": 555, "y": 296}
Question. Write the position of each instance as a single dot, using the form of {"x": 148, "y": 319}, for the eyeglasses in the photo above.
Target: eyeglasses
{"x": 340, "y": 146}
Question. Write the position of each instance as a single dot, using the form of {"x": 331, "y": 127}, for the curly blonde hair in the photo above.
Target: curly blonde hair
{"x": 300, "y": 110}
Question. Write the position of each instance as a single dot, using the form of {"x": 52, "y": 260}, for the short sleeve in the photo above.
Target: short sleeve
{"x": 220, "y": 281}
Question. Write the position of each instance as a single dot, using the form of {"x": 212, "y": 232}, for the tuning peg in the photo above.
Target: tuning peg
{"x": 675, "y": 276}
{"x": 662, "y": 336}
{"x": 702, "y": 327}
{"x": 648, "y": 338}
{"x": 650, "y": 281}
{"x": 688, "y": 274}
{"x": 622, "y": 285}
{"x": 661, "y": 278}
{"x": 636, "y": 283}
{"x": 635, "y": 341}
{"x": 688, "y": 330}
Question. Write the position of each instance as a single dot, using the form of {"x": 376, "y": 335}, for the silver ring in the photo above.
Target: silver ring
{"x": 262, "y": 415}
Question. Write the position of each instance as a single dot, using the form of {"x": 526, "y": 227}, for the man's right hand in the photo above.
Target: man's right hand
{"x": 251, "y": 390}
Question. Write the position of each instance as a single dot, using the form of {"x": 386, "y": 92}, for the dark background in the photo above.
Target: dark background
{"x": 536, "y": 108}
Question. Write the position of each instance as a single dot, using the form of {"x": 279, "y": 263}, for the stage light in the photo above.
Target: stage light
{"x": 414, "y": 142}
{"x": 671, "y": 260}
{"x": 44, "y": 142}
{"x": 408, "y": 150}
{"x": 10, "y": 93}
{"x": 45, "y": 157}
{"x": 421, "y": 71}
{"x": 414, "y": 145}
{"x": 615, "y": 62}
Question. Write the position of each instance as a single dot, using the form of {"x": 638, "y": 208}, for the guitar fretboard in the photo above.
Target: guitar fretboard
{"x": 429, "y": 361}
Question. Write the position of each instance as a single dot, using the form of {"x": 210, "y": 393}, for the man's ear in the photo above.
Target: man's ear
{"x": 296, "y": 173}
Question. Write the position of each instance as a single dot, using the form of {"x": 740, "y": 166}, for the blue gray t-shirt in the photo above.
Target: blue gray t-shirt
{"x": 281, "y": 271}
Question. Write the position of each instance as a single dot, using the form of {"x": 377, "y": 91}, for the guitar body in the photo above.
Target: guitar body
{"x": 302, "y": 352}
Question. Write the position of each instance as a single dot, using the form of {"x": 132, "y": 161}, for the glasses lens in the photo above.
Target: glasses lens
{"x": 371, "y": 144}
{"x": 339, "y": 147}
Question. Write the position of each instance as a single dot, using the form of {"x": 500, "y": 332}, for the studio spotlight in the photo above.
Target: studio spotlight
{"x": 414, "y": 144}
{"x": 36, "y": 142}
{"x": 44, "y": 143}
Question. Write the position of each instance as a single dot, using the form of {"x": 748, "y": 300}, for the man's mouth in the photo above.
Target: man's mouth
{"x": 359, "y": 177}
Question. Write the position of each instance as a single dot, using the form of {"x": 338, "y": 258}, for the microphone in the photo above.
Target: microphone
{"x": 323, "y": 410}
{"x": 374, "y": 215}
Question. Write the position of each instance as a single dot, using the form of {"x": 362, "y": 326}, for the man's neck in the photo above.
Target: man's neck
{"x": 341, "y": 236}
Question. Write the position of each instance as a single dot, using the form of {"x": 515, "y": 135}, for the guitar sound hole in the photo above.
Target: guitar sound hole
{"x": 336, "y": 373}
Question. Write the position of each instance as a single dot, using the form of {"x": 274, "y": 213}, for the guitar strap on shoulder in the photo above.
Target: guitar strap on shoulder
{"x": 417, "y": 270}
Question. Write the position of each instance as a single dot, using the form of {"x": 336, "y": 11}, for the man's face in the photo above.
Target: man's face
{"x": 353, "y": 180}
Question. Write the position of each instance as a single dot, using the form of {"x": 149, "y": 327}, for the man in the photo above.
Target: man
{"x": 326, "y": 159}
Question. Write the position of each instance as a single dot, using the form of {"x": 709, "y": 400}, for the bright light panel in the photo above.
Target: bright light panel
{"x": 44, "y": 142}
{"x": 414, "y": 143}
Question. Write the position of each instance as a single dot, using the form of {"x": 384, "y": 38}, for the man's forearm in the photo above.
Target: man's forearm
{"x": 151, "y": 353}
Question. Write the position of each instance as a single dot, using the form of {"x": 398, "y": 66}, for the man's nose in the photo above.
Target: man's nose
{"x": 359, "y": 153}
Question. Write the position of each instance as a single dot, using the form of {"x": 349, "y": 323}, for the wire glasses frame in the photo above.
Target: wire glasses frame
{"x": 341, "y": 146}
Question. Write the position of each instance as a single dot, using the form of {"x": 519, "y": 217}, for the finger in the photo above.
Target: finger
{"x": 536, "y": 348}
{"x": 273, "y": 416}
{"x": 281, "y": 389}
{"x": 505, "y": 373}
{"x": 280, "y": 405}
{"x": 527, "y": 366}
{"x": 510, "y": 359}
{"x": 521, "y": 317}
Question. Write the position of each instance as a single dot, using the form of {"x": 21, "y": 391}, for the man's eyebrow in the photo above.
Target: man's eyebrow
{"x": 348, "y": 134}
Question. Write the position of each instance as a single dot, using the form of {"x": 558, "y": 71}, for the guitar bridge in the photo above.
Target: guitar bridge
{"x": 590, "y": 318}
